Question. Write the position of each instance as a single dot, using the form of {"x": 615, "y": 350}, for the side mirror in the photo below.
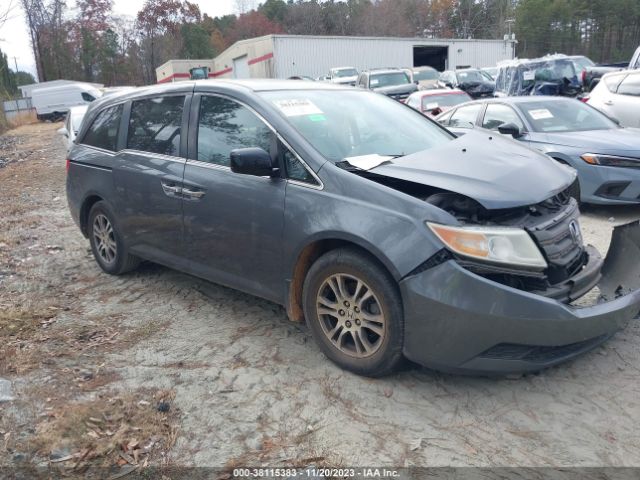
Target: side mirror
{"x": 448, "y": 84}
{"x": 63, "y": 131}
{"x": 251, "y": 161}
{"x": 510, "y": 129}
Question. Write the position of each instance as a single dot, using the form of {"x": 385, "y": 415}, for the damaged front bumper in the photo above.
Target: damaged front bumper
{"x": 460, "y": 322}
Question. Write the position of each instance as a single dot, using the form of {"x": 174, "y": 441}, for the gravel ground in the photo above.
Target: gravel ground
{"x": 252, "y": 388}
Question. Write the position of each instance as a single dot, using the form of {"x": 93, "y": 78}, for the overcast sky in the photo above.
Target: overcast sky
{"x": 14, "y": 36}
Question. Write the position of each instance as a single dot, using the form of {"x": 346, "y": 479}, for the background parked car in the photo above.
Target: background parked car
{"x": 618, "y": 96}
{"x": 435, "y": 101}
{"x": 470, "y": 80}
{"x": 343, "y": 75}
{"x": 553, "y": 75}
{"x": 425, "y": 77}
{"x": 72, "y": 124}
{"x": 606, "y": 156}
{"x": 392, "y": 82}
{"x": 591, "y": 75}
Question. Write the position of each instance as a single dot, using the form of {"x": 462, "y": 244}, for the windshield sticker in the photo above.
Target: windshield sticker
{"x": 317, "y": 118}
{"x": 298, "y": 107}
{"x": 540, "y": 114}
{"x": 432, "y": 105}
{"x": 367, "y": 162}
{"x": 374, "y": 82}
{"x": 529, "y": 75}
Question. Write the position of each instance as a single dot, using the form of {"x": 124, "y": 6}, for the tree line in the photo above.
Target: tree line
{"x": 92, "y": 43}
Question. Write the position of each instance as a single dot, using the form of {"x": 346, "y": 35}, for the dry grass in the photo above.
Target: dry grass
{"x": 109, "y": 432}
{"x": 22, "y": 118}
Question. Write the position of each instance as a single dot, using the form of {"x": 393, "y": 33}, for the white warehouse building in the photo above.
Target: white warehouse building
{"x": 283, "y": 56}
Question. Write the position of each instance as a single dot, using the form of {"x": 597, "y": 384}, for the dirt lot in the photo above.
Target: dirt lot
{"x": 161, "y": 368}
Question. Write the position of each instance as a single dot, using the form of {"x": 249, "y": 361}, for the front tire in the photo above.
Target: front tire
{"x": 354, "y": 311}
{"x": 106, "y": 241}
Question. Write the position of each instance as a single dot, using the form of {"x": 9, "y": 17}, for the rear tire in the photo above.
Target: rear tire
{"x": 354, "y": 311}
{"x": 106, "y": 241}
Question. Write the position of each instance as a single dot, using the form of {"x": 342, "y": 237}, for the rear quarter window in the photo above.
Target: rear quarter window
{"x": 103, "y": 132}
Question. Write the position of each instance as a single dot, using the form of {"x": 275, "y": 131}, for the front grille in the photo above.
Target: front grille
{"x": 561, "y": 243}
{"x": 538, "y": 354}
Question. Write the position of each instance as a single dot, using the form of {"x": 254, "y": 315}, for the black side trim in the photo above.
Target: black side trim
{"x": 90, "y": 165}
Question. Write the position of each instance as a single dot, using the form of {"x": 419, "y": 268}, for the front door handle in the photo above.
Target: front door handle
{"x": 195, "y": 194}
{"x": 608, "y": 102}
{"x": 171, "y": 189}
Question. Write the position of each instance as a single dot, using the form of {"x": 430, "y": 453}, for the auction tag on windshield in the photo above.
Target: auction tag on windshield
{"x": 431, "y": 106}
{"x": 540, "y": 114}
{"x": 529, "y": 75}
{"x": 298, "y": 107}
{"x": 374, "y": 82}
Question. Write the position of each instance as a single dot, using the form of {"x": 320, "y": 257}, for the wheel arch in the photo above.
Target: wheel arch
{"x": 313, "y": 250}
{"x": 89, "y": 201}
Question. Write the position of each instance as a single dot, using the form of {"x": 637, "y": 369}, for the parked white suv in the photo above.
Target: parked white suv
{"x": 343, "y": 75}
{"x": 618, "y": 96}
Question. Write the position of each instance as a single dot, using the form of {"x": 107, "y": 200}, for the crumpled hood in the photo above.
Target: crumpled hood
{"x": 599, "y": 141}
{"x": 497, "y": 173}
{"x": 397, "y": 89}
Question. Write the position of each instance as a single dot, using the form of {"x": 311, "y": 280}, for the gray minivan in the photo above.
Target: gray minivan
{"x": 390, "y": 236}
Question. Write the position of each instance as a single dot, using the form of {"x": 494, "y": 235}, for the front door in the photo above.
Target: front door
{"x": 148, "y": 177}
{"x": 233, "y": 222}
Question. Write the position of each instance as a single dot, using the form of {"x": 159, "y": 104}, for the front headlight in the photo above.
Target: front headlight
{"x": 611, "y": 160}
{"x": 502, "y": 245}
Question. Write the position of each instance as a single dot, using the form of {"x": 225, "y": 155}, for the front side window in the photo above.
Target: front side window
{"x": 154, "y": 125}
{"x": 103, "y": 133}
{"x": 226, "y": 125}
{"x": 497, "y": 115}
{"x": 465, "y": 117}
{"x": 341, "y": 123}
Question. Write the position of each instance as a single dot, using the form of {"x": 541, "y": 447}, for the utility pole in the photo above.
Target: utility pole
{"x": 15, "y": 62}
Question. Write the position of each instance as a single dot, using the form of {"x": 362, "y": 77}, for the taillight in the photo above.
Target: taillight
{"x": 584, "y": 76}
{"x": 584, "y": 99}
{"x": 68, "y": 164}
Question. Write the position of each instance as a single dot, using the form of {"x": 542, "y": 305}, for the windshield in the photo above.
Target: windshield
{"x": 345, "y": 72}
{"x": 470, "y": 76}
{"x": 429, "y": 102}
{"x": 425, "y": 75}
{"x": 341, "y": 124}
{"x": 389, "y": 79}
{"x": 564, "y": 116}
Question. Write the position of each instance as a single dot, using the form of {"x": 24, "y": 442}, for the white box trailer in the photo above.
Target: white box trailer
{"x": 54, "y": 102}
{"x": 284, "y": 56}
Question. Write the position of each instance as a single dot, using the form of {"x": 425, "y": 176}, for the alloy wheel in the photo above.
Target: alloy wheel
{"x": 350, "y": 315}
{"x": 104, "y": 238}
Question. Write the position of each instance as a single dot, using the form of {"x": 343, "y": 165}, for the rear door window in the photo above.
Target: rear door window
{"x": 103, "y": 133}
{"x": 465, "y": 117}
{"x": 155, "y": 124}
{"x": 226, "y": 125}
